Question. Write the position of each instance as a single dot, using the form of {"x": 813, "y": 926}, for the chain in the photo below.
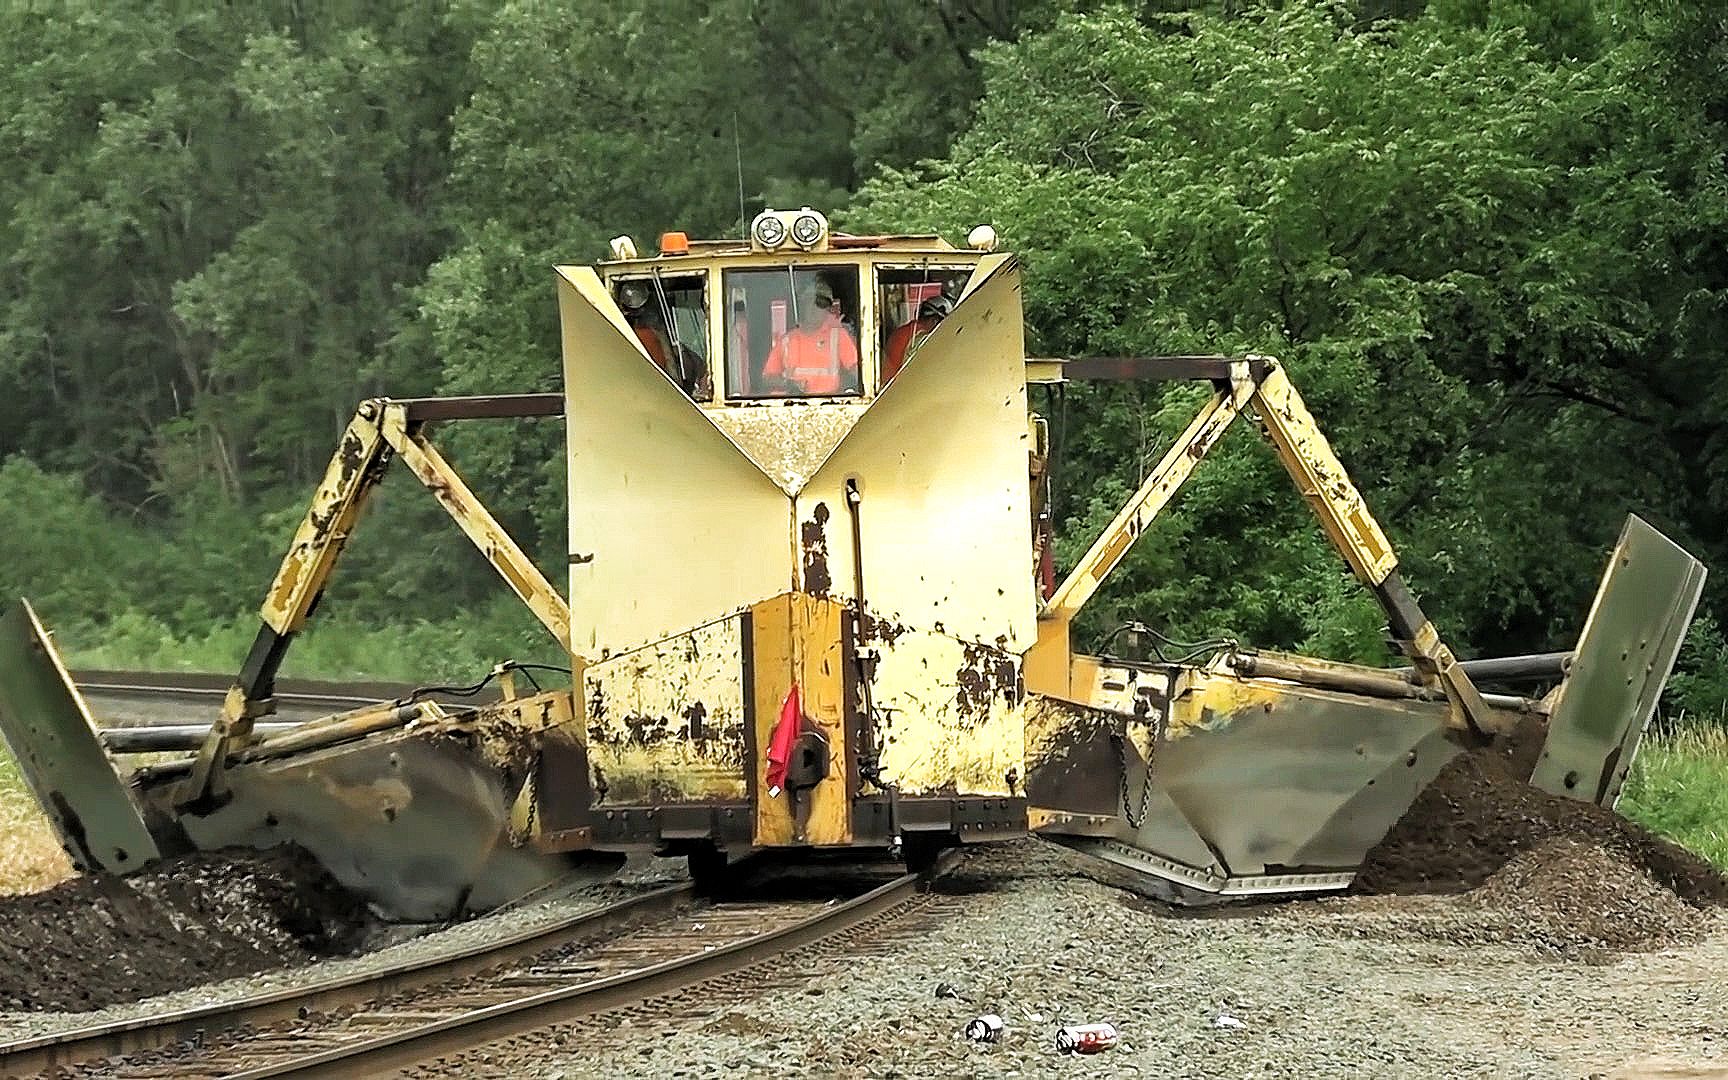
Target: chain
{"x": 1119, "y": 741}
{"x": 533, "y": 807}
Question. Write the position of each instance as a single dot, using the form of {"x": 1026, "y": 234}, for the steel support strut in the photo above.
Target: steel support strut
{"x": 1328, "y": 490}
{"x": 380, "y": 429}
{"x": 1258, "y": 384}
{"x": 353, "y": 472}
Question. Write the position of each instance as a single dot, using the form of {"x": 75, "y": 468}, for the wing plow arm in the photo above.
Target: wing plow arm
{"x": 1259, "y": 386}
{"x": 381, "y": 429}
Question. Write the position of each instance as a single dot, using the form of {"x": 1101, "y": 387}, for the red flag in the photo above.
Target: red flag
{"x": 780, "y": 743}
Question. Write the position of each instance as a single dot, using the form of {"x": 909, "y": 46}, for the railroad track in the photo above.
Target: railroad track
{"x": 664, "y": 942}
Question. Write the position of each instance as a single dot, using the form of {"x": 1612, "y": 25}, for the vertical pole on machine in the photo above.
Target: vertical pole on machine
{"x": 1321, "y": 479}
{"x": 354, "y": 471}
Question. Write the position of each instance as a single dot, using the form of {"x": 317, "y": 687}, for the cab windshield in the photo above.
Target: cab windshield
{"x": 792, "y": 332}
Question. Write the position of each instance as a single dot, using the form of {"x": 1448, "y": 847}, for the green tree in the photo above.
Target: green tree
{"x": 1466, "y": 252}
{"x": 215, "y": 212}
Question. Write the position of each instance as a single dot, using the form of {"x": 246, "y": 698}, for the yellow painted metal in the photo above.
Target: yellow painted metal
{"x": 788, "y": 441}
{"x": 350, "y": 477}
{"x": 353, "y": 472}
{"x": 800, "y": 637}
{"x": 1047, "y": 664}
{"x": 668, "y": 719}
{"x": 1321, "y": 479}
{"x": 1343, "y": 514}
{"x": 478, "y": 524}
{"x": 950, "y": 716}
{"x": 1048, "y": 661}
{"x": 671, "y": 525}
{"x": 1044, "y": 370}
{"x": 985, "y": 273}
{"x": 940, "y": 462}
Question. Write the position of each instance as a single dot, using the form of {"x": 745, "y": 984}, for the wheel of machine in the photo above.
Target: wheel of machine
{"x": 922, "y": 850}
{"x": 707, "y": 865}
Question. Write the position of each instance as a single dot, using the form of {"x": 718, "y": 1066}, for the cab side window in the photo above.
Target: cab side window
{"x": 912, "y": 302}
{"x": 669, "y": 314}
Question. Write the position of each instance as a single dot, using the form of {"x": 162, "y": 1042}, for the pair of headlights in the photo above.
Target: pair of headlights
{"x": 771, "y": 231}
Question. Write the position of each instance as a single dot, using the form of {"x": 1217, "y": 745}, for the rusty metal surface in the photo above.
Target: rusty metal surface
{"x": 1249, "y": 777}
{"x": 949, "y": 712}
{"x": 788, "y": 441}
{"x": 47, "y": 727}
{"x": 416, "y": 821}
{"x": 665, "y": 723}
{"x": 803, "y": 639}
{"x": 350, "y": 477}
{"x": 1321, "y": 479}
{"x": 1630, "y": 641}
{"x": 482, "y": 407}
{"x": 1151, "y": 368}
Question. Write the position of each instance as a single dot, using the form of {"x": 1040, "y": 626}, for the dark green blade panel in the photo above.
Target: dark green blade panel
{"x": 1623, "y": 659}
{"x": 47, "y": 727}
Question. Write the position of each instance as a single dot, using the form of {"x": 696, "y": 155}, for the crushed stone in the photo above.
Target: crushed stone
{"x": 384, "y": 949}
{"x": 1041, "y": 942}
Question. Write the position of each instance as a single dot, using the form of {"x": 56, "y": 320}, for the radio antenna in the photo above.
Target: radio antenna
{"x": 738, "y": 152}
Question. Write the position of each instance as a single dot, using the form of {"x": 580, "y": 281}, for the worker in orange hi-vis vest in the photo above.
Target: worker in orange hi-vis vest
{"x": 910, "y": 334}
{"x": 818, "y": 356}
{"x": 633, "y": 298}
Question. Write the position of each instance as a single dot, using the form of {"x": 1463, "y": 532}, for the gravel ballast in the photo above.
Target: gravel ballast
{"x": 97, "y": 940}
{"x": 1335, "y": 989}
{"x": 1498, "y": 931}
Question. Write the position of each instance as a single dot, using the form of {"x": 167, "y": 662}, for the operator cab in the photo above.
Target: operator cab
{"x": 796, "y": 315}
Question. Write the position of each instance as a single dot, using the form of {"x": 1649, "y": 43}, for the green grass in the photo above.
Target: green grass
{"x": 450, "y": 650}
{"x": 1679, "y": 788}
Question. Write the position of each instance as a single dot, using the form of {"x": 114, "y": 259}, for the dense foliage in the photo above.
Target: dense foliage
{"x": 1486, "y": 235}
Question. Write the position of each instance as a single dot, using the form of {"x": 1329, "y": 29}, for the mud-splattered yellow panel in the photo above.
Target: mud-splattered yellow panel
{"x": 666, "y": 722}
{"x": 802, "y": 636}
{"x": 950, "y": 714}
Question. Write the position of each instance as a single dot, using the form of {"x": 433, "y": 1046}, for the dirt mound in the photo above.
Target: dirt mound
{"x": 97, "y": 941}
{"x": 1570, "y": 895}
{"x": 1480, "y": 814}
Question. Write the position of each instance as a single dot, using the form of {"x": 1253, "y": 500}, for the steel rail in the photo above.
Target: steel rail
{"x": 41, "y": 1053}
{"x": 298, "y": 693}
{"x": 478, "y": 1027}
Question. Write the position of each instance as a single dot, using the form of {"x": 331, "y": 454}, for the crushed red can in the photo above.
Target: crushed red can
{"x": 1087, "y": 1038}
{"x": 986, "y": 1028}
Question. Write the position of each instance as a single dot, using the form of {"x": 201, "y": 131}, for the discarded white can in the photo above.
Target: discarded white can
{"x": 987, "y": 1028}
{"x": 1087, "y": 1038}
